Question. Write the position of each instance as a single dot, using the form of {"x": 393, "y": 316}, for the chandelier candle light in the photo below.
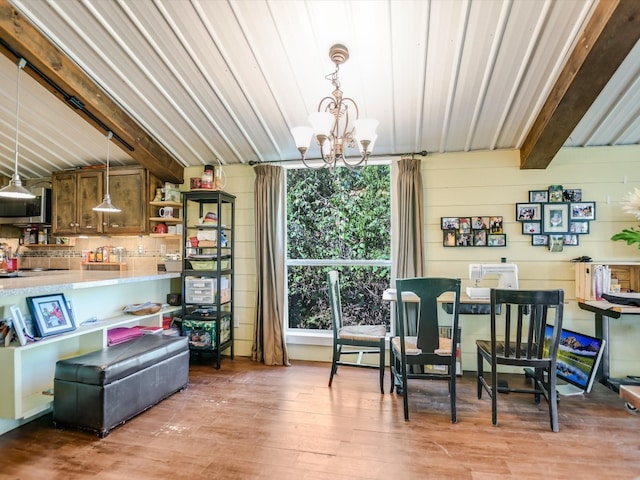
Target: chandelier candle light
{"x": 336, "y": 125}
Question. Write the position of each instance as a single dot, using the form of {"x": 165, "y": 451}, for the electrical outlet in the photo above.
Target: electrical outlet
{"x": 236, "y": 321}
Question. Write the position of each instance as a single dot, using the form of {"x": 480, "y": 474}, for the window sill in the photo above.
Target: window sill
{"x": 306, "y": 337}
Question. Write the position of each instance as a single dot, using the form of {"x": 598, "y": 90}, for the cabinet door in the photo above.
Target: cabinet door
{"x": 90, "y": 194}
{"x": 63, "y": 221}
{"x": 127, "y": 188}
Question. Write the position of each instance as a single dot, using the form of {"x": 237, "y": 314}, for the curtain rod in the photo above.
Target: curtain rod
{"x": 422, "y": 153}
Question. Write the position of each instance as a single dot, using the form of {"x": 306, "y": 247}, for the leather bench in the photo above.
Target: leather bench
{"x": 99, "y": 390}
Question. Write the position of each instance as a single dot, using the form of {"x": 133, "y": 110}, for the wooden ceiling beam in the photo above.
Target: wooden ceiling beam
{"x": 611, "y": 33}
{"x": 27, "y": 42}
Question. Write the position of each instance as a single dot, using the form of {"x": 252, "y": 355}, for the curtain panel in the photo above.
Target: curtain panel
{"x": 269, "y": 344}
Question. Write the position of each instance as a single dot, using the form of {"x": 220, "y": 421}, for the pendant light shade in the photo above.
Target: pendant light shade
{"x": 106, "y": 205}
{"x": 15, "y": 188}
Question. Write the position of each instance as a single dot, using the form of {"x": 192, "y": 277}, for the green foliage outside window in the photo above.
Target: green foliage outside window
{"x": 345, "y": 215}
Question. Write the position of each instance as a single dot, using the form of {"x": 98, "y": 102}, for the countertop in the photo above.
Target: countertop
{"x": 53, "y": 281}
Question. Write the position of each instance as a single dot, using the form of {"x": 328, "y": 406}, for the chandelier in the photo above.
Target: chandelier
{"x": 336, "y": 125}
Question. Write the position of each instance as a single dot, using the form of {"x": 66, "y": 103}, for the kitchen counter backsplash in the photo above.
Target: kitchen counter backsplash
{"x": 139, "y": 253}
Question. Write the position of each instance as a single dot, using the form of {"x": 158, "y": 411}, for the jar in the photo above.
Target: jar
{"x": 207, "y": 177}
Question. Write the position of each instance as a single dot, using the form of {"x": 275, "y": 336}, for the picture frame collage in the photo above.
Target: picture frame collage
{"x": 477, "y": 231}
{"x": 556, "y": 217}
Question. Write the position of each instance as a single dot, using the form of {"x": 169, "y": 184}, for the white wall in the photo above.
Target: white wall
{"x": 486, "y": 183}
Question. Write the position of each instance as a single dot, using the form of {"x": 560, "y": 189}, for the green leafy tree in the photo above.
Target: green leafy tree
{"x": 344, "y": 214}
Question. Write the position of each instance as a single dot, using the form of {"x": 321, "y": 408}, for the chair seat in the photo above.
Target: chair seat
{"x": 411, "y": 346}
{"x": 362, "y": 332}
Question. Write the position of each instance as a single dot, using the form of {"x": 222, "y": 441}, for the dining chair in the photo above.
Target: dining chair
{"x": 359, "y": 340}
{"x": 518, "y": 340}
{"x": 421, "y": 339}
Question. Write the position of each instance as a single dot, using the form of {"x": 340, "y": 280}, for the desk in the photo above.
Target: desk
{"x": 603, "y": 311}
{"x": 468, "y": 305}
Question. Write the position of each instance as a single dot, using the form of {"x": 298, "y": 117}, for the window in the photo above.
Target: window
{"x": 338, "y": 220}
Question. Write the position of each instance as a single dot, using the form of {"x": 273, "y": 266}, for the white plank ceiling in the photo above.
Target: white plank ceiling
{"x": 226, "y": 80}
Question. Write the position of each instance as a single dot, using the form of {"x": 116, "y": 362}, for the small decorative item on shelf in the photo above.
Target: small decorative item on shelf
{"x": 632, "y": 206}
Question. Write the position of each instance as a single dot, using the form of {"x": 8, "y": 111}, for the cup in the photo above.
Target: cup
{"x": 194, "y": 241}
{"x": 172, "y": 230}
{"x": 165, "y": 212}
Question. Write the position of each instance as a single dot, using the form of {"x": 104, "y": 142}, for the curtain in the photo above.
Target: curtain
{"x": 269, "y": 344}
{"x": 410, "y": 254}
{"x": 410, "y": 259}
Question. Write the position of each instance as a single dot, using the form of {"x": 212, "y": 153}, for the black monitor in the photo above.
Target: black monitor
{"x": 578, "y": 359}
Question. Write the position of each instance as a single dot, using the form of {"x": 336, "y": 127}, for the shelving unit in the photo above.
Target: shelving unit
{"x": 156, "y": 218}
{"x": 30, "y": 368}
{"x": 207, "y": 273}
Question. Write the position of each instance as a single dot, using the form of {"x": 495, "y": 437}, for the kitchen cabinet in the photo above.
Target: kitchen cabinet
{"x": 75, "y": 193}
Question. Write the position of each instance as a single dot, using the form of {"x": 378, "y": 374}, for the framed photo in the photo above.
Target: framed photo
{"x": 449, "y": 238}
{"x": 463, "y": 239}
{"x": 50, "y": 314}
{"x": 495, "y": 225}
{"x": 531, "y": 228}
{"x": 556, "y": 243}
{"x": 480, "y": 223}
{"x": 579, "y": 226}
{"x": 449, "y": 223}
{"x": 538, "y": 196}
{"x": 527, "y": 211}
{"x": 555, "y": 193}
{"x": 480, "y": 238}
{"x": 583, "y": 211}
{"x": 19, "y": 325}
{"x": 539, "y": 240}
{"x": 465, "y": 224}
{"x": 555, "y": 218}
{"x": 570, "y": 240}
{"x": 497, "y": 240}
{"x": 572, "y": 195}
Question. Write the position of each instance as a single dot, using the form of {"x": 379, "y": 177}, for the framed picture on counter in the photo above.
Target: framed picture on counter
{"x": 50, "y": 314}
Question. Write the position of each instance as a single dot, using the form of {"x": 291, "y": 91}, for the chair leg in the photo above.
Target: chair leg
{"x": 480, "y": 373}
{"x": 553, "y": 403}
{"x": 494, "y": 394}
{"x": 382, "y": 362}
{"x": 405, "y": 393}
{"x": 452, "y": 393}
{"x": 334, "y": 364}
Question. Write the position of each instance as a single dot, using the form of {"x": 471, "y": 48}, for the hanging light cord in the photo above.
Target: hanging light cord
{"x": 109, "y": 137}
{"x": 21, "y": 63}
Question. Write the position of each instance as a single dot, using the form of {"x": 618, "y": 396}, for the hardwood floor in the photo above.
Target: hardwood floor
{"x": 247, "y": 420}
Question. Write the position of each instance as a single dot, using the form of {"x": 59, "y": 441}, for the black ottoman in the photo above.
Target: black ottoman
{"x": 102, "y": 389}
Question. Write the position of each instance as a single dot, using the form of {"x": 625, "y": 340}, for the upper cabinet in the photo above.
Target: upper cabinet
{"x": 75, "y": 193}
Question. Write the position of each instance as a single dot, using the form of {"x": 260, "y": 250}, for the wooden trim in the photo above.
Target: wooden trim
{"x": 611, "y": 33}
{"x": 39, "y": 52}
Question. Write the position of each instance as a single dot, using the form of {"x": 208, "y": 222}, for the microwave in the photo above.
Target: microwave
{"x": 20, "y": 211}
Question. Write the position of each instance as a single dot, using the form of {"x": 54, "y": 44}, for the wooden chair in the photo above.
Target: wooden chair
{"x": 522, "y": 329}
{"x": 420, "y": 340}
{"x": 360, "y": 340}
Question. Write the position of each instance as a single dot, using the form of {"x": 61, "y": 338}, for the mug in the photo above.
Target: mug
{"x": 165, "y": 212}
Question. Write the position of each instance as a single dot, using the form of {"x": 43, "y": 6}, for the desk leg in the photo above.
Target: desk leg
{"x": 602, "y": 331}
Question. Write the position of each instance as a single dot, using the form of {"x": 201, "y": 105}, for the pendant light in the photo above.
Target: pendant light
{"x": 15, "y": 188}
{"x": 106, "y": 205}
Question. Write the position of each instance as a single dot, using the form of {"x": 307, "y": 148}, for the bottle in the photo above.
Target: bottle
{"x": 207, "y": 177}
{"x": 41, "y": 237}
